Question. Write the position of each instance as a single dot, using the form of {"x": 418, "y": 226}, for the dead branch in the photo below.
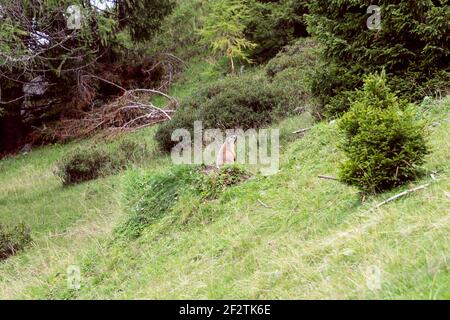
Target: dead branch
{"x": 404, "y": 193}
{"x": 328, "y": 178}
{"x": 302, "y": 130}
{"x": 263, "y": 204}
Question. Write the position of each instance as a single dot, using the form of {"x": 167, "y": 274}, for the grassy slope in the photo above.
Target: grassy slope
{"x": 317, "y": 239}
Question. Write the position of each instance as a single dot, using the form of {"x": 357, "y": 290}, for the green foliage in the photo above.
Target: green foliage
{"x": 91, "y": 162}
{"x": 84, "y": 164}
{"x": 383, "y": 139}
{"x": 211, "y": 185}
{"x": 251, "y": 100}
{"x": 223, "y": 30}
{"x": 271, "y": 25}
{"x": 412, "y": 46}
{"x": 13, "y": 239}
{"x": 236, "y": 102}
{"x": 289, "y": 73}
{"x": 179, "y": 32}
{"x": 143, "y": 17}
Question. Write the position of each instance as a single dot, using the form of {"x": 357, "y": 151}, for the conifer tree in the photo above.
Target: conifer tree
{"x": 384, "y": 140}
{"x": 412, "y": 45}
{"x": 223, "y": 30}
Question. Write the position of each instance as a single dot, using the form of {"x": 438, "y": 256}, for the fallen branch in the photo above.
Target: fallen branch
{"x": 302, "y": 130}
{"x": 404, "y": 193}
{"x": 328, "y": 178}
{"x": 263, "y": 204}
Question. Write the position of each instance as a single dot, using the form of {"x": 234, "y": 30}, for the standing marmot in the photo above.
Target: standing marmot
{"x": 227, "y": 153}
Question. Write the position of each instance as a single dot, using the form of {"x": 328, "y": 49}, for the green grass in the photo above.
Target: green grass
{"x": 316, "y": 239}
{"x": 197, "y": 71}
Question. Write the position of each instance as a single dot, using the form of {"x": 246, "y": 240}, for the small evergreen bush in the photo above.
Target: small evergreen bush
{"x": 13, "y": 239}
{"x": 383, "y": 139}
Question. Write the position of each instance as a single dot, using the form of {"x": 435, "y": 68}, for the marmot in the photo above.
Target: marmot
{"x": 227, "y": 153}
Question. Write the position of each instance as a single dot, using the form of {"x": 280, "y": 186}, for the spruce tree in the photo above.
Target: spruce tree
{"x": 384, "y": 140}
{"x": 412, "y": 45}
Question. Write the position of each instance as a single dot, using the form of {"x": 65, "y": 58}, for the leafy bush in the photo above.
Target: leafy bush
{"x": 384, "y": 140}
{"x": 83, "y": 164}
{"x": 290, "y": 71}
{"x": 412, "y": 46}
{"x": 91, "y": 162}
{"x": 13, "y": 240}
{"x": 236, "y": 102}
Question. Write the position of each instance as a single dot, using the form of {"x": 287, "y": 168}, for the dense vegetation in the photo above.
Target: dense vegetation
{"x": 64, "y": 54}
{"x": 251, "y": 100}
{"x": 411, "y": 45}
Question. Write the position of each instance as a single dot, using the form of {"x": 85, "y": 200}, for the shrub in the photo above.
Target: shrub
{"x": 251, "y": 100}
{"x": 13, "y": 240}
{"x": 412, "y": 46}
{"x": 235, "y": 102}
{"x": 290, "y": 71}
{"x": 83, "y": 164}
{"x": 91, "y": 162}
{"x": 384, "y": 140}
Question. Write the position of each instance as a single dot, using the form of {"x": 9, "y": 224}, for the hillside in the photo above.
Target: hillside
{"x": 285, "y": 236}
{"x": 134, "y": 135}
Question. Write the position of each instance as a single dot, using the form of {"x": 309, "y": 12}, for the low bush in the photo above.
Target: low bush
{"x": 251, "y": 100}
{"x": 91, "y": 162}
{"x": 235, "y": 102}
{"x": 13, "y": 239}
{"x": 383, "y": 139}
{"x": 290, "y": 73}
{"x": 84, "y": 164}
